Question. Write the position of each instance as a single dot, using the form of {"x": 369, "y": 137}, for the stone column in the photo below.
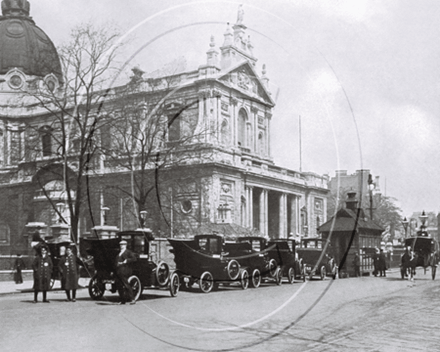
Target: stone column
{"x": 266, "y": 212}
{"x": 262, "y": 202}
{"x": 233, "y": 111}
{"x": 282, "y": 226}
{"x": 293, "y": 216}
{"x": 251, "y": 207}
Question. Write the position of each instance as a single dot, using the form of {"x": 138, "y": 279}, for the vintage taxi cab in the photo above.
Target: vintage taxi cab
{"x": 318, "y": 260}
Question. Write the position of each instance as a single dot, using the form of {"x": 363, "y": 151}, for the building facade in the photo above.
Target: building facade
{"x": 216, "y": 140}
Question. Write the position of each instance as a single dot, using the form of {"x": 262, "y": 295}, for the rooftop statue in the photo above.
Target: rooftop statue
{"x": 240, "y": 14}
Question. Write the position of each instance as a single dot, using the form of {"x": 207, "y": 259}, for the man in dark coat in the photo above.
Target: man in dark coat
{"x": 19, "y": 266}
{"x": 123, "y": 271}
{"x": 68, "y": 267}
{"x": 376, "y": 262}
{"x": 382, "y": 263}
{"x": 42, "y": 267}
{"x": 357, "y": 264}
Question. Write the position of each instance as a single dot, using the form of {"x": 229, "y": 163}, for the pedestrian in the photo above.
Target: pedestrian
{"x": 376, "y": 262}
{"x": 18, "y": 267}
{"x": 124, "y": 262}
{"x": 68, "y": 268}
{"x": 357, "y": 264}
{"x": 382, "y": 263}
{"x": 42, "y": 267}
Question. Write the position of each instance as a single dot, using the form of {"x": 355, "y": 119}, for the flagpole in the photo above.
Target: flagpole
{"x": 300, "y": 151}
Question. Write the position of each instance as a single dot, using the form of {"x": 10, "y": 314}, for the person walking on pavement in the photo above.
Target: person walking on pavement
{"x": 18, "y": 266}
{"x": 68, "y": 267}
{"x": 382, "y": 263}
{"x": 124, "y": 261}
{"x": 42, "y": 267}
{"x": 376, "y": 262}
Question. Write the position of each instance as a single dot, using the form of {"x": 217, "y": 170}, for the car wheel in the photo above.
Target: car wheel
{"x": 272, "y": 267}
{"x": 291, "y": 275}
{"x": 233, "y": 269}
{"x": 162, "y": 273}
{"x": 136, "y": 286}
{"x": 244, "y": 279}
{"x": 174, "y": 284}
{"x": 279, "y": 277}
{"x": 256, "y": 278}
{"x": 206, "y": 282}
{"x": 323, "y": 272}
{"x": 96, "y": 288}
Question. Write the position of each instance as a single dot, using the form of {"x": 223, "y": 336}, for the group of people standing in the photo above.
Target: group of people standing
{"x": 379, "y": 262}
{"x": 68, "y": 269}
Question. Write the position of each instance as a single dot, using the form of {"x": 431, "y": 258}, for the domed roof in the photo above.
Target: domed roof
{"x": 23, "y": 45}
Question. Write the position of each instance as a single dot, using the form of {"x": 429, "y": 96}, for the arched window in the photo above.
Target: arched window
{"x": 241, "y": 136}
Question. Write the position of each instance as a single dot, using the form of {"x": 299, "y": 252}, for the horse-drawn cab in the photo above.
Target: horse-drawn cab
{"x": 283, "y": 251}
{"x": 426, "y": 254}
{"x": 145, "y": 272}
{"x": 204, "y": 259}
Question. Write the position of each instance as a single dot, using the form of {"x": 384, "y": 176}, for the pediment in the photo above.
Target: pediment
{"x": 244, "y": 78}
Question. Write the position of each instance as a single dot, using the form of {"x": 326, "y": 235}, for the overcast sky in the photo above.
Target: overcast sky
{"x": 362, "y": 74}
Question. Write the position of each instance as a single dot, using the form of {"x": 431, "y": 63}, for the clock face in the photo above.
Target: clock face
{"x": 15, "y": 81}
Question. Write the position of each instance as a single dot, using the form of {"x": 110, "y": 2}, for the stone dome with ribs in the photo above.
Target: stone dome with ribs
{"x": 23, "y": 45}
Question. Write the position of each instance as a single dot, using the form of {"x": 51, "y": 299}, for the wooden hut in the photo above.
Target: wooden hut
{"x": 351, "y": 225}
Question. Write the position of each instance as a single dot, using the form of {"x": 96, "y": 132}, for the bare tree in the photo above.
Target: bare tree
{"x": 64, "y": 140}
{"x": 151, "y": 136}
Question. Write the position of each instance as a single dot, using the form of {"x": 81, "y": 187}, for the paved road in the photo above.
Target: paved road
{"x": 356, "y": 314}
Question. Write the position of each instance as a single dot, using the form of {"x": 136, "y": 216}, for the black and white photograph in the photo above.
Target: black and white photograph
{"x": 219, "y": 176}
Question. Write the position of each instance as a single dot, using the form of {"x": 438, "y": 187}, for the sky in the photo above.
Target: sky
{"x": 362, "y": 75}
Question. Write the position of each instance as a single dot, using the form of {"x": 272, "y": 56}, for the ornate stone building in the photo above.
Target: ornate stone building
{"x": 223, "y": 108}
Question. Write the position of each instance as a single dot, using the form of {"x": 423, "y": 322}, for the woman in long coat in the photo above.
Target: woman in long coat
{"x": 42, "y": 267}
{"x": 68, "y": 267}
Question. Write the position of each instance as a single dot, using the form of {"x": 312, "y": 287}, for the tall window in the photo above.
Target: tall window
{"x": 15, "y": 147}
{"x": 241, "y": 137}
{"x": 46, "y": 140}
{"x": 174, "y": 127}
{"x": 261, "y": 143}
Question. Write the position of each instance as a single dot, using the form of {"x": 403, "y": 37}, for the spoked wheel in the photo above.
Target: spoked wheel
{"x": 323, "y": 272}
{"x": 433, "y": 270}
{"x": 162, "y": 273}
{"x": 244, "y": 279}
{"x": 233, "y": 269}
{"x": 272, "y": 267}
{"x": 136, "y": 286}
{"x": 206, "y": 282}
{"x": 279, "y": 276}
{"x": 174, "y": 284}
{"x": 256, "y": 278}
{"x": 291, "y": 275}
{"x": 96, "y": 288}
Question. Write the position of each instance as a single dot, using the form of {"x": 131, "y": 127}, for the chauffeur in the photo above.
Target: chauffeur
{"x": 123, "y": 271}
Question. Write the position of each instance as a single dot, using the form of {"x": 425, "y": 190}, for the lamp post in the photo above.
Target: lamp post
{"x": 104, "y": 211}
{"x": 143, "y": 215}
{"x": 371, "y": 187}
{"x": 423, "y": 219}
{"x": 405, "y": 226}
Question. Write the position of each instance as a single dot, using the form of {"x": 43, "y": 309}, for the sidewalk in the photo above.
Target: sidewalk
{"x": 10, "y": 287}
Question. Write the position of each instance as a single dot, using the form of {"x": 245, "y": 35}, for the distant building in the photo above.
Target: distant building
{"x": 357, "y": 182}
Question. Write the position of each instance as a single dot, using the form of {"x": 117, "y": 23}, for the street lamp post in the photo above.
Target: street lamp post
{"x": 423, "y": 219}
{"x": 143, "y": 215}
{"x": 371, "y": 187}
{"x": 405, "y": 226}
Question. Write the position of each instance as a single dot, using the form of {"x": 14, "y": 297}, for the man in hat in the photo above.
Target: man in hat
{"x": 68, "y": 267}
{"x": 42, "y": 267}
{"x": 123, "y": 272}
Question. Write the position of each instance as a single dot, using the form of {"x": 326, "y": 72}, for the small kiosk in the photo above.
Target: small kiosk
{"x": 350, "y": 223}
